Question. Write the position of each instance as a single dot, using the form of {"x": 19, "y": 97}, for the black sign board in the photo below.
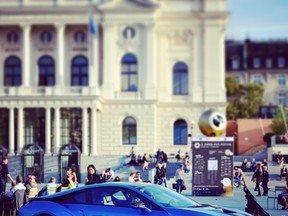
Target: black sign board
{"x": 212, "y": 164}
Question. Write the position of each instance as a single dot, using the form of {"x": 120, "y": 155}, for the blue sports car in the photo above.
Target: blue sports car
{"x": 119, "y": 198}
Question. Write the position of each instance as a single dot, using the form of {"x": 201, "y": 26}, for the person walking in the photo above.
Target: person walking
{"x": 257, "y": 178}
{"x": 164, "y": 174}
{"x": 5, "y": 175}
{"x": 145, "y": 163}
{"x": 265, "y": 180}
{"x": 179, "y": 178}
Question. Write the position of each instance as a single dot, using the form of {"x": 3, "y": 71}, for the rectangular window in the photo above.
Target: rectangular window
{"x": 269, "y": 63}
{"x": 257, "y": 79}
{"x": 238, "y": 78}
{"x": 235, "y": 64}
{"x": 281, "y": 62}
{"x": 281, "y": 80}
{"x": 282, "y": 98}
{"x": 256, "y": 63}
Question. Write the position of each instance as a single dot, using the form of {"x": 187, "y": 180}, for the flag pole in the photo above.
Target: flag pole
{"x": 92, "y": 49}
{"x": 284, "y": 118}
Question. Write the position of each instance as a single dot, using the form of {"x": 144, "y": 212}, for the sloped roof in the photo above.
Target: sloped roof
{"x": 124, "y": 5}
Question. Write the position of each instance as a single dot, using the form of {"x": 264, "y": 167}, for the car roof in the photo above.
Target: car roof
{"x": 127, "y": 185}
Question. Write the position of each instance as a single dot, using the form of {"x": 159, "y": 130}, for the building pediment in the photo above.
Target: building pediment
{"x": 128, "y": 5}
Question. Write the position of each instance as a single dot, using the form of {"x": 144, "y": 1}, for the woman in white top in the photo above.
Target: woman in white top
{"x": 18, "y": 186}
{"x": 131, "y": 177}
{"x": 180, "y": 178}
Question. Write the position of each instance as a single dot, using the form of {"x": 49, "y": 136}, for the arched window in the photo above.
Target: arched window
{"x": 79, "y": 73}
{"x": 180, "y": 79}
{"x": 129, "y": 78}
{"x": 180, "y": 132}
{"x": 12, "y": 37}
{"x": 46, "y": 68}
{"x": 12, "y": 71}
{"x": 129, "y": 131}
{"x": 80, "y": 37}
{"x": 46, "y": 37}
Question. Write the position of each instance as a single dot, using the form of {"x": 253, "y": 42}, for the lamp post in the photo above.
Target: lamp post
{"x": 192, "y": 123}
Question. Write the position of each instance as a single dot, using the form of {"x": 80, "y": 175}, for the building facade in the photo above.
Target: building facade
{"x": 263, "y": 62}
{"x": 108, "y": 75}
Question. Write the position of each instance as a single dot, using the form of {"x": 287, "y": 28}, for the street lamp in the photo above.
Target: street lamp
{"x": 192, "y": 123}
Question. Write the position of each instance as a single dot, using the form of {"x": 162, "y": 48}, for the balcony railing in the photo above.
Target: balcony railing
{"x": 49, "y": 91}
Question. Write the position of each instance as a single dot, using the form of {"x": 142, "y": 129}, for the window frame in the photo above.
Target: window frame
{"x": 131, "y": 128}
{"x": 11, "y": 76}
{"x": 281, "y": 80}
{"x": 282, "y": 98}
{"x": 79, "y": 71}
{"x": 12, "y": 37}
{"x": 128, "y": 73}
{"x": 46, "y": 37}
{"x": 129, "y": 32}
{"x": 257, "y": 79}
{"x": 256, "y": 62}
{"x": 80, "y": 37}
{"x": 178, "y": 137}
{"x": 281, "y": 62}
{"x": 46, "y": 71}
{"x": 235, "y": 63}
{"x": 180, "y": 76}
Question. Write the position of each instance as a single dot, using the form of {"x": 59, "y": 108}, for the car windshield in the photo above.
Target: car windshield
{"x": 167, "y": 197}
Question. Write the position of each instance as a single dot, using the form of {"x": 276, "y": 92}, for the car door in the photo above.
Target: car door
{"x": 120, "y": 202}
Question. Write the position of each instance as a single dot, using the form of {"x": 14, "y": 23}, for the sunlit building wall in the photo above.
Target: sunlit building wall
{"x": 138, "y": 78}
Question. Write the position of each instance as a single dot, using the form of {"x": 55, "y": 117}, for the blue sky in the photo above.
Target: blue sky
{"x": 258, "y": 19}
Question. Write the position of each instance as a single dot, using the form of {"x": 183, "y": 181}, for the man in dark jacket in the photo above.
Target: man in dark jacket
{"x": 265, "y": 180}
{"x": 4, "y": 174}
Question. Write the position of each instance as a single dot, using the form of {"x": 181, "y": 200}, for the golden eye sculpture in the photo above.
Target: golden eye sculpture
{"x": 212, "y": 123}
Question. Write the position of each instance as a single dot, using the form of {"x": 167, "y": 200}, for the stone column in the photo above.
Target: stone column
{"x": 11, "y": 132}
{"x": 108, "y": 86}
{"x": 93, "y": 52}
{"x": 26, "y": 28}
{"x": 57, "y": 134}
{"x": 93, "y": 150}
{"x": 20, "y": 130}
{"x": 151, "y": 62}
{"x": 48, "y": 131}
{"x": 60, "y": 54}
{"x": 84, "y": 131}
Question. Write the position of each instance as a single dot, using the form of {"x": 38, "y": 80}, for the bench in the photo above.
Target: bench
{"x": 274, "y": 197}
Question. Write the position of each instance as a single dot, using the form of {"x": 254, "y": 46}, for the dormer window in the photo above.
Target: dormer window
{"x": 281, "y": 62}
{"x": 269, "y": 63}
{"x": 235, "y": 63}
{"x": 256, "y": 63}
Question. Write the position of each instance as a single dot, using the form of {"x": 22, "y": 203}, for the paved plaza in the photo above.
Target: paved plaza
{"x": 237, "y": 201}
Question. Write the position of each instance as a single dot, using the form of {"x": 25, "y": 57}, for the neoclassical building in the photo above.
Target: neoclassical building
{"x": 106, "y": 75}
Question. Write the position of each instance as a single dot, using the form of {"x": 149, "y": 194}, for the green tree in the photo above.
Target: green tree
{"x": 243, "y": 100}
{"x": 278, "y": 125}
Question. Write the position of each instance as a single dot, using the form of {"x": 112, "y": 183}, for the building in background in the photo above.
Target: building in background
{"x": 262, "y": 62}
{"x": 103, "y": 76}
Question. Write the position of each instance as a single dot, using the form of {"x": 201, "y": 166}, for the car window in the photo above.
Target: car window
{"x": 120, "y": 197}
{"x": 79, "y": 197}
{"x": 167, "y": 197}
